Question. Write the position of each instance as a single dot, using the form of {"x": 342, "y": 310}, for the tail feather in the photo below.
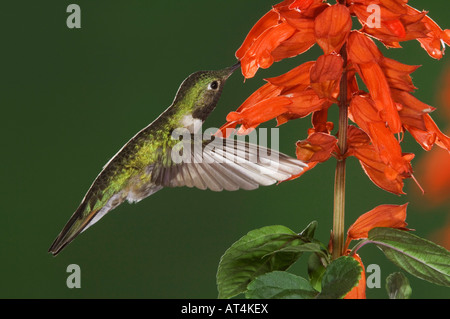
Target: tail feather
{"x": 76, "y": 224}
{"x": 91, "y": 210}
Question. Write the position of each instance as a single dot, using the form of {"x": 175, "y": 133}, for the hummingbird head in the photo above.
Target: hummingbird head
{"x": 199, "y": 93}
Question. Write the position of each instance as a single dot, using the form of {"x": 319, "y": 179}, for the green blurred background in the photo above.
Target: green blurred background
{"x": 71, "y": 98}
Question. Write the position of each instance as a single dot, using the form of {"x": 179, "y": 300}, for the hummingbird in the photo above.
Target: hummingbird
{"x": 145, "y": 164}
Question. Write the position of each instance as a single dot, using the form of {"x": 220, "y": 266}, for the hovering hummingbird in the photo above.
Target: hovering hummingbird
{"x": 144, "y": 165}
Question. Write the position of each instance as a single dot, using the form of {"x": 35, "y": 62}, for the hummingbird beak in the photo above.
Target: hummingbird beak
{"x": 232, "y": 68}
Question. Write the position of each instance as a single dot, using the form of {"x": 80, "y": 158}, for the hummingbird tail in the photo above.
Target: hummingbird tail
{"x": 84, "y": 217}
{"x": 73, "y": 227}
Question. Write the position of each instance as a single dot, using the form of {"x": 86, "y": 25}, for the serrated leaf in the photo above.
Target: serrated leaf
{"x": 417, "y": 256}
{"x": 397, "y": 286}
{"x": 341, "y": 275}
{"x": 280, "y": 285}
{"x": 251, "y": 257}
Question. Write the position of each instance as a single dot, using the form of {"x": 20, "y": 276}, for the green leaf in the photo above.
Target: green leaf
{"x": 308, "y": 232}
{"x": 316, "y": 268}
{"x": 251, "y": 257}
{"x": 397, "y": 286}
{"x": 340, "y": 277}
{"x": 417, "y": 256}
{"x": 280, "y": 285}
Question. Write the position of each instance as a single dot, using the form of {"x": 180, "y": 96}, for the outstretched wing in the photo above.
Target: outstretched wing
{"x": 225, "y": 164}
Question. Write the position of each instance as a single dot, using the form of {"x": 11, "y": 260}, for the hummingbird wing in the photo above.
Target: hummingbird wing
{"x": 226, "y": 164}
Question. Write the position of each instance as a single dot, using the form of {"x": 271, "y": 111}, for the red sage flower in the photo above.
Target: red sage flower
{"x": 382, "y": 113}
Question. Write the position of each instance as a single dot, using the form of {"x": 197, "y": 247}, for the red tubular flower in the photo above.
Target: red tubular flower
{"x": 316, "y": 148}
{"x": 285, "y": 97}
{"x": 400, "y": 22}
{"x": 297, "y": 79}
{"x": 325, "y": 75}
{"x": 398, "y": 74}
{"x": 433, "y": 42}
{"x": 412, "y": 110}
{"x": 365, "y": 55}
{"x": 392, "y": 216}
{"x": 395, "y": 23}
{"x": 332, "y": 27}
{"x": 302, "y": 39}
{"x": 366, "y": 115}
{"x": 281, "y": 33}
{"x": 385, "y": 111}
{"x": 260, "y": 112}
{"x": 259, "y": 55}
{"x": 380, "y": 173}
{"x": 269, "y": 20}
{"x": 431, "y": 135}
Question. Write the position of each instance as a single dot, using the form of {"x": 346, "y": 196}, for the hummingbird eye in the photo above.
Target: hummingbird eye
{"x": 213, "y": 85}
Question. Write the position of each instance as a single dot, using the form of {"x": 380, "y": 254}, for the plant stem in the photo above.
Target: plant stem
{"x": 339, "y": 180}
